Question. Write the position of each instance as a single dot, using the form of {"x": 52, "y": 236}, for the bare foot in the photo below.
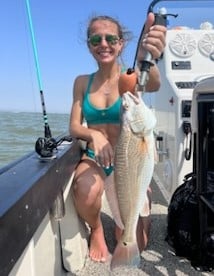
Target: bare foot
{"x": 98, "y": 250}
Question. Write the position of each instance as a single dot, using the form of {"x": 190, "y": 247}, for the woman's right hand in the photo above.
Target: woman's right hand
{"x": 103, "y": 151}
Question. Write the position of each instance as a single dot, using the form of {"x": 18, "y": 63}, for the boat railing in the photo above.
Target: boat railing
{"x": 29, "y": 189}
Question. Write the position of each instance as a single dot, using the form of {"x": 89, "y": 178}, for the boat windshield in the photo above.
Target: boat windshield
{"x": 191, "y": 14}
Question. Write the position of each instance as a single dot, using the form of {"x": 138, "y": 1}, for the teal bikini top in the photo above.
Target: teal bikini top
{"x": 94, "y": 115}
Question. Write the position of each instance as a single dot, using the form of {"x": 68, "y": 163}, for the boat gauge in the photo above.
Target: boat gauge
{"x": 183, "y": 45}
{"x": 206, "y": 44}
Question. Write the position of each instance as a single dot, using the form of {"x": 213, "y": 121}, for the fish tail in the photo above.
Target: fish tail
{"x": 125, "y": 254}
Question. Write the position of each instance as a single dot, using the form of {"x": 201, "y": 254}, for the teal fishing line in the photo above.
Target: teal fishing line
{"x": 38, "y": 73}
{"x": 35, "y": 52}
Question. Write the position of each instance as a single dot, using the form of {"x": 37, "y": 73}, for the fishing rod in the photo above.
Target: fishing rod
{"x": 38, "y": 72}
{"x": 147, "y": 62}
{"x": 130, "y": 79}
{"x": 44, "y": 145}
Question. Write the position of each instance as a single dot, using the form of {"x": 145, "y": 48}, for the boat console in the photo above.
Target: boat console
{"x": 188, "y": 59}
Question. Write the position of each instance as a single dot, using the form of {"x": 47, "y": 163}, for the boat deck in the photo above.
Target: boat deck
{"x": 157, "y": 259}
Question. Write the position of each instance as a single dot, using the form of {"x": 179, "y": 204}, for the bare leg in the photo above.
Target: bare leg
{"x": 143, "y": 229}
{"x": 87, "y": 190}
{"x": 118, "y": 233}
{"x": 144, "y": 223}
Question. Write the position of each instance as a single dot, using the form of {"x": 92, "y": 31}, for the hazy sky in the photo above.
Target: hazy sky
{"x": 59, "y": 27}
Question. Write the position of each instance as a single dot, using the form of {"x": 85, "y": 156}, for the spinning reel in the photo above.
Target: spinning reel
{"x": 45, "y": 147}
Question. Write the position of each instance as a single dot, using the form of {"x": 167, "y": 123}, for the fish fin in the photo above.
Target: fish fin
{"x": 146, "y": 144}
{"x": 143, "y": 146}
{"x": 125, "y": 254}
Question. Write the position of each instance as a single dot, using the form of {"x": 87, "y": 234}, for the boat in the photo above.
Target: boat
{"x": 187, "y": 60}
{"x": 40, "y": 231}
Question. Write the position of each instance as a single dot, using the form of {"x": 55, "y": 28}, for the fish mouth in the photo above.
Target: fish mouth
{"x": 129, "y": 97}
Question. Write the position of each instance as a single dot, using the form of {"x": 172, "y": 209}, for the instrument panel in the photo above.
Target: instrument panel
{"x": 185, "y": 44}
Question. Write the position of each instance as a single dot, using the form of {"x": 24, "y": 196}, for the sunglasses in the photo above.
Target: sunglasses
{"x": 95, "y": 40}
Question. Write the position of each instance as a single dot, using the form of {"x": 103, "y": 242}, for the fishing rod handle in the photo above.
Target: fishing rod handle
{"x": 147, "y": 62}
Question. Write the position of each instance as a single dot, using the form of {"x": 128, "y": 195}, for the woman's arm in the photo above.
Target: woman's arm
{"x": 77, "y": 129}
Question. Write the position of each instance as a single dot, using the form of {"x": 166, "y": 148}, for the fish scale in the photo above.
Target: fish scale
{"x": 134, "y": 165}
{"x": 129, "y": 164}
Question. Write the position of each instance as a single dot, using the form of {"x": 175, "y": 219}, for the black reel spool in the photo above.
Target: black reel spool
{"x": 45, "y": 146}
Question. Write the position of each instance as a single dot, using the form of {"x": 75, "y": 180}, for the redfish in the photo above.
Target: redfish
{"x": 134, "y": 165}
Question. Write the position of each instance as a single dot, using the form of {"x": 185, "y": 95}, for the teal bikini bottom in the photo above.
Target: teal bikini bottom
{"x": 90, "y": 153}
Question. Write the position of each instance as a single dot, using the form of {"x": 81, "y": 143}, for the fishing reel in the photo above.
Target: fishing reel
{"x": 45, "y": 147}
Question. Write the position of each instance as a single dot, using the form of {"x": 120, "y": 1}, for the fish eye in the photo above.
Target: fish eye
{"x": 126, "y": 106}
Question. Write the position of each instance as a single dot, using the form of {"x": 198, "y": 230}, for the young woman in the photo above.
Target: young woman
{"x": 96, "y": 99}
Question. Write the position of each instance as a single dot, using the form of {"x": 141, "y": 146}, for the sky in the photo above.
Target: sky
{"x": 60, "y": 35}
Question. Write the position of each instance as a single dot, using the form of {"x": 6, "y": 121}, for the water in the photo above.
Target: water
{"x": 20, "y": 131}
